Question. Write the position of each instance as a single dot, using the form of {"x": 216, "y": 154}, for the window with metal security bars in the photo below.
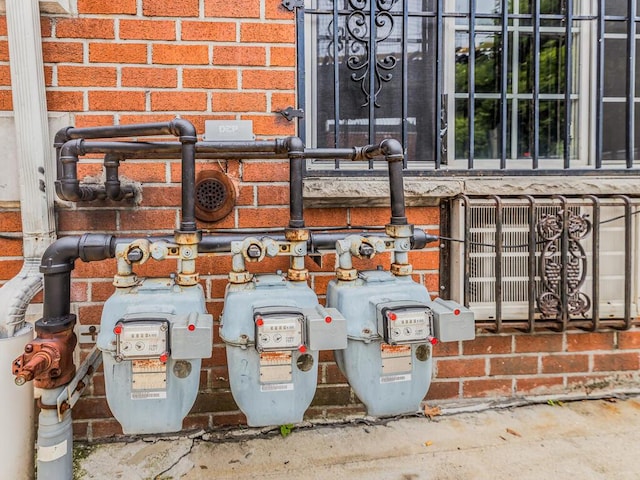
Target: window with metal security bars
{"x": 473, "y": 86}
{"x": 530, "y": 262}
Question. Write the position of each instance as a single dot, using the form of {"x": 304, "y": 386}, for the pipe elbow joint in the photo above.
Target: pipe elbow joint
{"x": 295, "y": 147}
{"x": 62, "y": 137}
{"x": 392, "y": 150}
{"x": 183, "y": 129}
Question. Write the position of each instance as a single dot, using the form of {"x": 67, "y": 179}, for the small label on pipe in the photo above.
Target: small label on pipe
{"x": 52, "y": 452}
{"x": 395, "y": 378}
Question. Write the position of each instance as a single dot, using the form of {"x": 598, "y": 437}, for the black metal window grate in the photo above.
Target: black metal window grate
{"x": 473, "y": 86}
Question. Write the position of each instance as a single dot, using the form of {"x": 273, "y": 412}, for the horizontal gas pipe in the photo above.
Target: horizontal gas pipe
{"x": 177, "y": 127}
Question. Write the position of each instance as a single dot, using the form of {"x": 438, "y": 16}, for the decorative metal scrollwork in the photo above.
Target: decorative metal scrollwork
{"x": 550, "y": 229}
{"x": 361, "y": 46}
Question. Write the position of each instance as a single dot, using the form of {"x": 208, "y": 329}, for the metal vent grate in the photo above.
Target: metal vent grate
{"x": 211, "y": 194}
{"x": 215, "y": 196}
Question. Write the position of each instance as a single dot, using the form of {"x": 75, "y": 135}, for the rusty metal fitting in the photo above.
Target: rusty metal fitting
{"x": 187, "y": 238}
{"x": 296, "y": 234}
{"x": 240, "y": 277}
{"x": 125, "y": 281}
{"x": 346, "y": 274}
{"x": 48, "y": 359}
{"x": 187, "y": 279}
{"x": 297, "y": 275}
{"x": 401, "y": 269}
{"x": 398, "y": 231}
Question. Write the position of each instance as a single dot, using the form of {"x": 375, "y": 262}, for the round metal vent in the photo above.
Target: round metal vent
{"x": 215, "y": 196}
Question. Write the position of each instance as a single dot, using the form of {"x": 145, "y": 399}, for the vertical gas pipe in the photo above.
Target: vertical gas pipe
{"x": 48, "y": 359}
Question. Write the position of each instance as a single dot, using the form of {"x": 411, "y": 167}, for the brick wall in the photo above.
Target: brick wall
{"x": 130, "y": 61}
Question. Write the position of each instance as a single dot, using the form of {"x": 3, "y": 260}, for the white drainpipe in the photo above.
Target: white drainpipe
{"x": 35, "y": 163}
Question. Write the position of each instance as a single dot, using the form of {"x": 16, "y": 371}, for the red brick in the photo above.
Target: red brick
{"x": 88, "y": 408}
{"x": 614, "y": 362}
{"x": 90, "y": 314}
{"x": 146, "y": 171}
{"x": 268, "y": 79}
{"x": 161, "y": 196}
{"x": 46, "y": 24}
{"x": 425, "y": 259}
{"x": 147, "y": 30}
{"x": 58, "y": 52}
{"x": 93, "y": 120}
{"x": 208, "y": 31}
{"x": 267, "y": 32}
{"x": 172, "y": 101}
{"x": 6, "y": 100}
{"x": 276, "y": 11}
{"x": 9, "y": 268}
{"x": 487, "y": 345}
{"x": 101, "y": 429}
{"x": 239, "y": 102}
{"x": 551, "y": 342}
{"x": 580, "y": 342}
{"x": 262, "y": 217}
{"x": 11, "y": 247}
{"x": 3, "y": 26}
{"x": 246, "y": 196}
{"x": 80, "y": 430}
{"x": 443, "y": 390}
{"x": 209, "y": 78}
{"x": 280, "y": 101}
{"x": 118, "y": 52}
{"x": 257, "y": 171}
{"x": 513, "y": 365}
{"x": 103, "y": 269}
{"x": 148, "y": 220}
{"x": 370, "y": 216}
{"x": 86, "y": 76}
{"x": 79, "y": 291}
{"x": 107, "y": 6}
{"x": 48, "y": 76}
{"x": 486, "y": 388}
{"x": 149, "y": 77}
{"x": 228, "y": 419}
{"x": 116, "y": 100}
{"x": 101, "y": 291}
{"x": 4, "y": 51}
{"x": 539, "y": 385}
{"x": 10, "y": 222}
{"x": 565, "y": 363}
{"x": 64, "y": 101}
{"x": 5, "y": 75}
{"x": 86, "y": 220}
{"x": 424, "y": 215}
{"x": 629, "y": 339}
{"x": 171, "y": 54}
{"x": 446, "y": 349}
{"x": 465, "y": 367}
{"x": 175, "y": 8}
{"x": 325, "y": 217}
{"x": 240, "y": 55}
{"x": 126, "y": 119}
{"x": 271, "y": 125}
{"x": 333, "y": 374}
{"x": 84, "y": 28}
{"x": 238, "y": 9}
{"x": 282, "y": 56}
{"x": 273, "y": 195}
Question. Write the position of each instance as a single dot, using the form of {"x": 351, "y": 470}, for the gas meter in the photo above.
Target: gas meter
{"x": 273, "y": 329}
{"x": 391, "y": 325}
{"x": 153, "y": 337}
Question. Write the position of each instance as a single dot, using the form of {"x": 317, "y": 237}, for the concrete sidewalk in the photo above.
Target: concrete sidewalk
{"x": 595, "y": 439}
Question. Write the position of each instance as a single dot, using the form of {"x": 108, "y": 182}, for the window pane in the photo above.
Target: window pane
{"x": 615, "y": 68}
{"x": 613, "y": 133}
{"x": 488, "y": 63}
{"x": 552, "y": 63}
{"x": 616, "y": 7}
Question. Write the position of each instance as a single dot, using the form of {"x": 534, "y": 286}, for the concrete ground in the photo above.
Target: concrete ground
{"x": 594, "y": 439}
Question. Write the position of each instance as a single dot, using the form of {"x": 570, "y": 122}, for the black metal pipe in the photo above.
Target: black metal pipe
{"x": 113, "y": 188}
{"x": 394, "y": 154}
{"x": 58, "y": 262}
{"x": 295, "y": 149}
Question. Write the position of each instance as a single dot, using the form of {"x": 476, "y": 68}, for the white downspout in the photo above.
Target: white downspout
{"x": 36, "y": 167}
